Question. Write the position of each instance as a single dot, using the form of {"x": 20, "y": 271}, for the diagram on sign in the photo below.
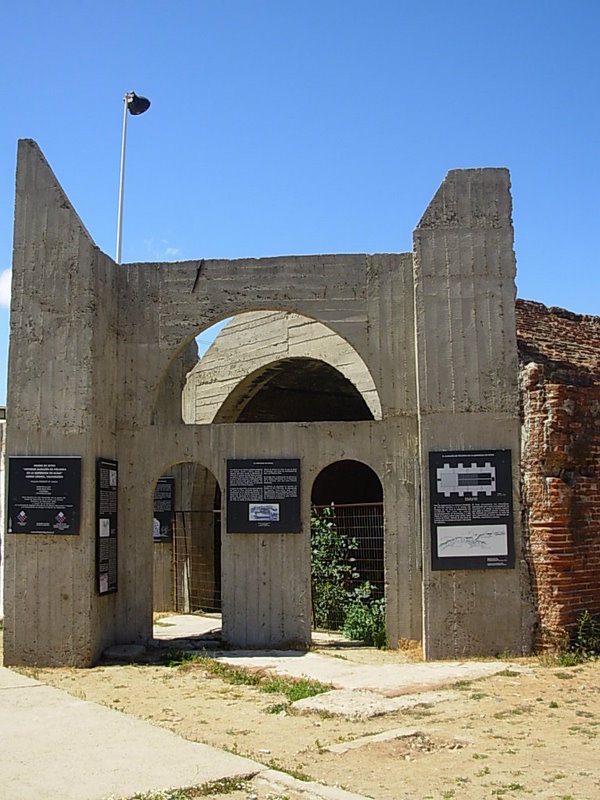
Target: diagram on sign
{"x": 471, "y": 509}
{"x": 268, "y": 511}
{"x": 460, "y": 480}
{"x": 469, "y": 541}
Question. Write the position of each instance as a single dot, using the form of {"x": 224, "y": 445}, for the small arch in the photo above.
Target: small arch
{"x": 346, "y": 481}
{"x": 187, "y": 563}
{"x": 347, "y": 520}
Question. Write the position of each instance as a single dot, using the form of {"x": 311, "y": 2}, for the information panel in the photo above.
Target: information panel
{"x": 107, "y": 483}
{"x": 263, "y": 495}
{"x": 44, "y": 494}
{"x": 164, "y": 505}
{"x": 471, "y": 509}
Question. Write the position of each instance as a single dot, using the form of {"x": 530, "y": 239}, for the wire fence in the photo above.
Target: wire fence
{"x": 360, "y": 561}
{"x": 196, "y": 561}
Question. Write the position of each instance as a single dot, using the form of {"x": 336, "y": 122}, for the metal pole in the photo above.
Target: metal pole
{"x": 121, "y": 182}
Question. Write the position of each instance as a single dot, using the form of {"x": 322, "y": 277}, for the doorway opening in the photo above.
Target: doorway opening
{"x": 347, "y": 552}
{"x": 187, "y": 541}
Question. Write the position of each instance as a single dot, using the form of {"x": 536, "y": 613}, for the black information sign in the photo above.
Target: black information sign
{"x": 44, "y": 494}
{"x": 164, "y": 505}
{"x": 471, "y": 509}
{"x": 107, "y": 480}
{"x": 263, "y": 495}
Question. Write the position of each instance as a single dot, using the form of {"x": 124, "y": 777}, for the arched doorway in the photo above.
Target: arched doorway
{"x": 187, "y": 540}
{"x": 347, "y": 548}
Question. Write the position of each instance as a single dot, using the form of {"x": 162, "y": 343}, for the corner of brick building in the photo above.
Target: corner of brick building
{"x": 559, "y": 375}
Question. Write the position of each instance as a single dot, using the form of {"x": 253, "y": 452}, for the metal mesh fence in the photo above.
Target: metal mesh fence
{"x": 353, "y": 556}
{"x": 196, "y": 569}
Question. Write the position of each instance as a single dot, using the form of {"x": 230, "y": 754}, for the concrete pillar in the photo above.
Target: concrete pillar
{"x": 466, "y": 351}
{"x": 62, "y": 389}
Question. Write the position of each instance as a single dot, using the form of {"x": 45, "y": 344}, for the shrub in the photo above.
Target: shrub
{"x": 339, "y": 602}
{"x": 365, "y": 618}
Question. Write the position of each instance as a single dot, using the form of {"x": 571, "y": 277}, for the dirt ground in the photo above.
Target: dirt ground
{"x": 516, "y": 734}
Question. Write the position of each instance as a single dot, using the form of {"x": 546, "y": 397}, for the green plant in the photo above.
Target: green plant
{"x": 292, "y": 688}
{"x": 586, "y": 639}
{"x": 277, "y": 708}
{"x": 365, "y": 617}
{"x": 222, "y": 786}
{"x": 582, "y": 645}
{"x": 332, "y": 568}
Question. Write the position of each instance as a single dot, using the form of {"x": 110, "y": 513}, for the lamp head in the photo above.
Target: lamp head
{"x": 136, "y": 104}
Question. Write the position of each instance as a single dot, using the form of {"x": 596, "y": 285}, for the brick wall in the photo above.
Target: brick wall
{"x": 560, "y": 397}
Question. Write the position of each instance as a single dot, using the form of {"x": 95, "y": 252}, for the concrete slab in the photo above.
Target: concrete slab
{"x": 57, "y": 747}
{"x": 386, "y": 736}
{"x": 281, "y": 784}
{"x": 362, "y": 690}
{"x": 390, "y": 680}
{"x": 186, "y": 626}
{"x": 362, "y": 704}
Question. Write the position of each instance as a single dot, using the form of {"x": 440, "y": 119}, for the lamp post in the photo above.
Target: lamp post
{"x": 135, "y": 105}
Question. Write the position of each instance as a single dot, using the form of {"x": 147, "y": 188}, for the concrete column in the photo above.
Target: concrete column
{"x": 61, "y": 394}
{"x": 467, "y": 370}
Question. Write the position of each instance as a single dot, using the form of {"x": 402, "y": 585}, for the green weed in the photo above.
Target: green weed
{"x": 292, "y": 688}
{"x": 223, "y": 786}
{"x": 277, "y": 708}
{"x": 512, "y": 712}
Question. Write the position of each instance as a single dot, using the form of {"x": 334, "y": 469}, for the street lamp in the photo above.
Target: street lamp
{"x": 135, "y": 105}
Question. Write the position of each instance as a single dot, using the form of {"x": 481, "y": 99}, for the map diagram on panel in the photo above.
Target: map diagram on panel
{"x": 471, "y": 509}
{"x": 460, "y": 480}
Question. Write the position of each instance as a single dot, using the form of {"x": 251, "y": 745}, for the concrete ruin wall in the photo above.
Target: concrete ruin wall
{"x": 97, "y": 354}
{"x": 560, "y": 394}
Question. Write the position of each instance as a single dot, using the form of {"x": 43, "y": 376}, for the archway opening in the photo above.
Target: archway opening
{"x": 347, "y": 552}
{"x": 187, "y": 541}
{"x": 277, "y": 366}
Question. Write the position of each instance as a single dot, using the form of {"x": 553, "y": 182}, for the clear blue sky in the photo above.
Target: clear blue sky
{"x": 281, "y": 127}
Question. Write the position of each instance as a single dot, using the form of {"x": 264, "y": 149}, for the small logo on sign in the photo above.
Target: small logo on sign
{"x": 60, "y": 517}
{"x": 21, "y": 517}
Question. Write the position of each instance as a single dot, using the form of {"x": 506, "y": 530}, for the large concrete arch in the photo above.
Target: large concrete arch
{"x": 250, "y": 343}
{"x": 435, "y": 328}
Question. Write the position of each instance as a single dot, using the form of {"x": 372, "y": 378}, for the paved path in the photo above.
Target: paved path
{"x": 56, "y": 746}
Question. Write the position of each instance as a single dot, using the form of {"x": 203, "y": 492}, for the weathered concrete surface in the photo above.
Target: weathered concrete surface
{"x": 364, "y": 704}
{"x": 62, "y": 392}
{"x": 391, "y": 680}
{"x": 98, "y": 353}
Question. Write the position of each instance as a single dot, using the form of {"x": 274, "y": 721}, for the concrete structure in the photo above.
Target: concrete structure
{"x": 98, "y": 358}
